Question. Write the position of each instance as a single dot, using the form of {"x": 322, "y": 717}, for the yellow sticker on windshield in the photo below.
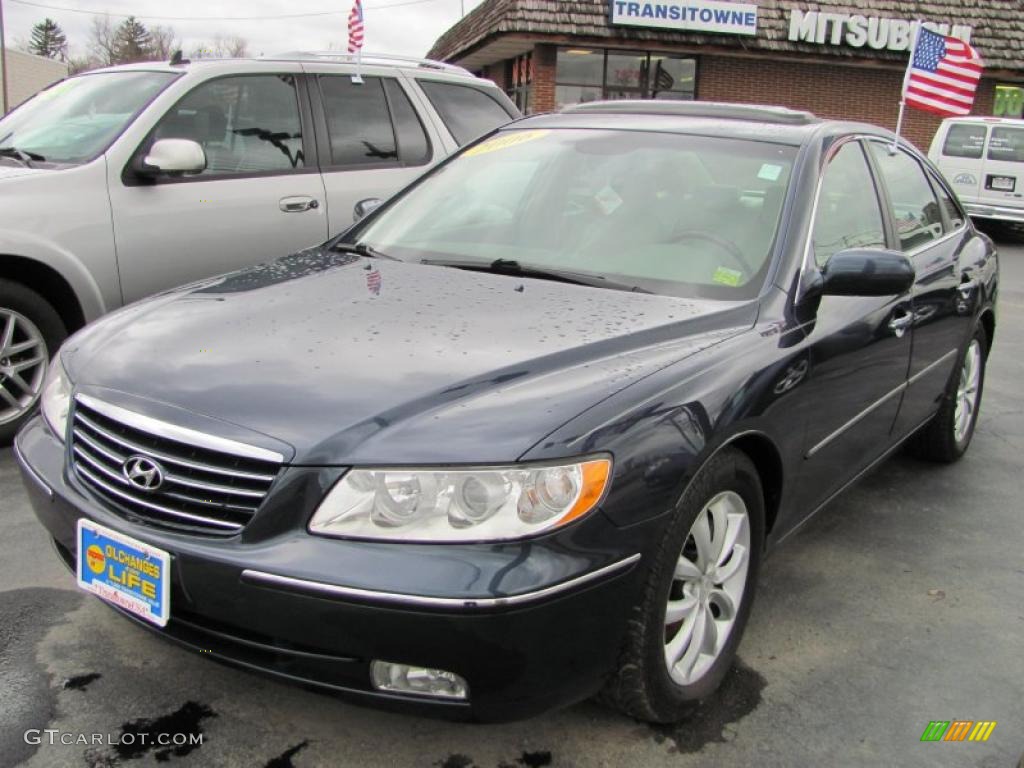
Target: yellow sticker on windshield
{"x": 504, "y": 141}
{"x": 726, "y": 276}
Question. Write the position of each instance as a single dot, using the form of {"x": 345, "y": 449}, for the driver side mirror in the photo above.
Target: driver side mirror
{"x": 365, "y": 207}
{"x": 864, "y": 272}
{"x": 172, "y": 156}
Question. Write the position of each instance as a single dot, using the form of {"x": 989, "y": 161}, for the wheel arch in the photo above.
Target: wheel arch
{"x": 48, "y": 283}
{"x": 767, "y": 460}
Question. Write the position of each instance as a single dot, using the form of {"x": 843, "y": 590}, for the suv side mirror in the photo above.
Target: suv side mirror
{"x": 866, "y": 272}
{"x": 173, "y": 156}
{"x": 363, "y": 207}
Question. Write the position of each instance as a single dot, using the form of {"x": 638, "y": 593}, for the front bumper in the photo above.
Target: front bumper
{"x": 530, "y": 625}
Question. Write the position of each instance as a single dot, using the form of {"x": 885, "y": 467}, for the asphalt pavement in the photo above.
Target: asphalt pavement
{"x": 900, "y": 603}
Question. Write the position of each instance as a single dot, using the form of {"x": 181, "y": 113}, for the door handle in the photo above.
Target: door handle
{"x": 298, "y": 204}
{"x": 968, "y": 285}
{"x": 899, "y": 325}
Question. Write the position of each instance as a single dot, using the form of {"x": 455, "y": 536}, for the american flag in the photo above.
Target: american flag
{"x": 374, "y": 282}
{"x": 355, "y": 27}
{"x": 943, "y": 75}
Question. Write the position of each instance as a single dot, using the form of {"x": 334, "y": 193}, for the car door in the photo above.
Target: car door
{"x": 373, "y": 142}
{"x": 932, "y": 232}
{"x": 858, "y": 347}
{"x": 260, "y": 196}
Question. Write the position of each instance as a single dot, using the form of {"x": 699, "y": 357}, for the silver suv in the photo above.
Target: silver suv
{"x": 129, "y": 180}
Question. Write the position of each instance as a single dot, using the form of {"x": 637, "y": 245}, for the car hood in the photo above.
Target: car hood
{"x": 11, "y": 171}
{"x": 355, "y": 360}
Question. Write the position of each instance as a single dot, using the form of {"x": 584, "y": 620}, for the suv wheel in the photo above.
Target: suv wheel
{"x": 30, "y": 332}
{"x": 682, "y": 637}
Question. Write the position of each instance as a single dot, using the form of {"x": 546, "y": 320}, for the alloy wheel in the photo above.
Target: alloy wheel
{"x": 23, "y": 362}
{"x": 707, "y": 588}
{"x": 967, "y": 392}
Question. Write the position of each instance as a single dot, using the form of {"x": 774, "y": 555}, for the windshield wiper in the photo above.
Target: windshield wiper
{"x": 514, "y": 268}
{"x": 361, "y": 249}
{"x": 22, "y": 155}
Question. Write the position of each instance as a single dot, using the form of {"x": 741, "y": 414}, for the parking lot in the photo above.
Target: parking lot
{"x": 899, "y": 604}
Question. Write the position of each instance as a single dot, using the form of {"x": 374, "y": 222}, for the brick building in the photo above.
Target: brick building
{"x": 837, "y": 59}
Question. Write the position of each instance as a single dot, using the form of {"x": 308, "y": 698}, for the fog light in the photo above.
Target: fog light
{"x": 402, "y": 678}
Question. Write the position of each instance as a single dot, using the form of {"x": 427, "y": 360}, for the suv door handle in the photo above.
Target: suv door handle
{"x": 899, "y": 325}
{"x": 298, "y": 204}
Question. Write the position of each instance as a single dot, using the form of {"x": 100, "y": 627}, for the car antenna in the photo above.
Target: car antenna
{"x": 177, "y": 58}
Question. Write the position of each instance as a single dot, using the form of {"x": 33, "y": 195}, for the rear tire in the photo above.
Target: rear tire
{"x": 948, "y": 435}
{"x": 31, "y": 331}
{"x": 682, "y": 636}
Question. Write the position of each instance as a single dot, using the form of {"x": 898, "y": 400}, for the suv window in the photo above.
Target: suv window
{"x": 245, "y": 124}
{"x": 469, "y": 113}
{"x": 915, "y": 209}
{"x": 1006, "y": 144}
{"x": 965, "y": 140}
{"x": 363, "y": 130}
{"x": 849, "y": 215}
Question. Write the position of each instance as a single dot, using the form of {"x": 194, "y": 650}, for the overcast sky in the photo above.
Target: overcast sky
{"x": 407, "y": 27}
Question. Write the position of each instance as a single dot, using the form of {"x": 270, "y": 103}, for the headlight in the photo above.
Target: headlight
{"x": 57, "y": 397}
{"x": 477, "y": 504}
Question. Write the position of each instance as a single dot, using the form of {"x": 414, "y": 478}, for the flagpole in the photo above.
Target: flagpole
{"x": 903, "y": 89}
{"x": 3, "y": 63}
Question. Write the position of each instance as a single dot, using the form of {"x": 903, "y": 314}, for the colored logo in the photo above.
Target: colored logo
{"x": 143, "y": 473}
{"x": 958, "y": 730}
{"x": 95, "y": 559}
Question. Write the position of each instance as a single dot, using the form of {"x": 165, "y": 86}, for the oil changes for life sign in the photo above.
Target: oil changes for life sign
{"x": 694, "y": 16}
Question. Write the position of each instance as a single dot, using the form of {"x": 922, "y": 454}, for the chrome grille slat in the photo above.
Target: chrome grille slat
{"x": 203, "y": 490}
{"x": 136, "y": 448}
{"x": 165, "y": 510}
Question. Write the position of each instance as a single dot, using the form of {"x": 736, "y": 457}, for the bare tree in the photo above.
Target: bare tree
{"x": 163, "y": 42}
{"x": 222, "y": 47}
{"x": 102, "y": 42}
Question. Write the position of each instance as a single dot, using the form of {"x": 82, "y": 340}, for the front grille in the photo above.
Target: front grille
{"x": 203, "y": 490}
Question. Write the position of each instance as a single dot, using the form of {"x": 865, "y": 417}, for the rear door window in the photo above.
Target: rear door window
{"x": 371, "y": 124}
{"x": 1006, "y": 144}
{"x": 468, "y": 112}
{"x": 965, "y": 140}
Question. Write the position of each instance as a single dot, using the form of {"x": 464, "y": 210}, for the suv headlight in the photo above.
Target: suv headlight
{"x": 56, "y": 400}
{"x": 451, "y": 505}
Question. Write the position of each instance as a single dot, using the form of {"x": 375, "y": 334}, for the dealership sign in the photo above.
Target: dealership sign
{"x": 858, "y": 31}
{"x": 694, "y": 16}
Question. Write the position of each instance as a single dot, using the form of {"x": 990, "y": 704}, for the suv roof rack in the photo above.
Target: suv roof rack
{"x": 752, "y": 112}
{"x": 372, "y": 58}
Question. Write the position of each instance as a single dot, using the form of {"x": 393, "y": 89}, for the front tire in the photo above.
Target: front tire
{"x": 30, "y": 333}
{"x": 948, "y": 435}
{"x": 683, "y": 635}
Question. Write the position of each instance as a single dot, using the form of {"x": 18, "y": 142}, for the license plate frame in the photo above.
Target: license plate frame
{"x": 115, "y": 567}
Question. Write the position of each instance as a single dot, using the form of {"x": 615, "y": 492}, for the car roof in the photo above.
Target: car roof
{"x": 985, "y": 120}
{"x": 738, "y": 121}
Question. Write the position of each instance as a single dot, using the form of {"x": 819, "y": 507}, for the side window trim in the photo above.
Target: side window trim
{"x": 130, "y": 179}
{"x": 394, "y": 125}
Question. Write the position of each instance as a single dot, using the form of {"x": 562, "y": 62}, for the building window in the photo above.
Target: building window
{"x": 519, "y": 77}
{"x": 589, "y": 74}
{"x": 1009, "y": 101}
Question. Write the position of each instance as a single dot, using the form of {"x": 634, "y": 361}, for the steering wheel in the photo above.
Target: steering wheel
{"x": 725, "y": 245}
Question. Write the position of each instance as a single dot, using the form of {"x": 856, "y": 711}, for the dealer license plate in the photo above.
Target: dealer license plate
{"x": 1002, "y": 183}
{"x": 124, "y": 571}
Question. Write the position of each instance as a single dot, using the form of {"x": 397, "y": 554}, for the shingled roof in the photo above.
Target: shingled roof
{"x": 998, "y": 27}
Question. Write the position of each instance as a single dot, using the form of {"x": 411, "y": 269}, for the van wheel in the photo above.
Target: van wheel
{"x": 30, "y": 333}
{"x": 683, "y": 634}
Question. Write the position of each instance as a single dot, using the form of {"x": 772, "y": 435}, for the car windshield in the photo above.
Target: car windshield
{"x": 77, "y": 119}
{"x": 682, "y": 215}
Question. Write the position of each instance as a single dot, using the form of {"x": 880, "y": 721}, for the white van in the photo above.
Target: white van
{"x": 983, "y": 158}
